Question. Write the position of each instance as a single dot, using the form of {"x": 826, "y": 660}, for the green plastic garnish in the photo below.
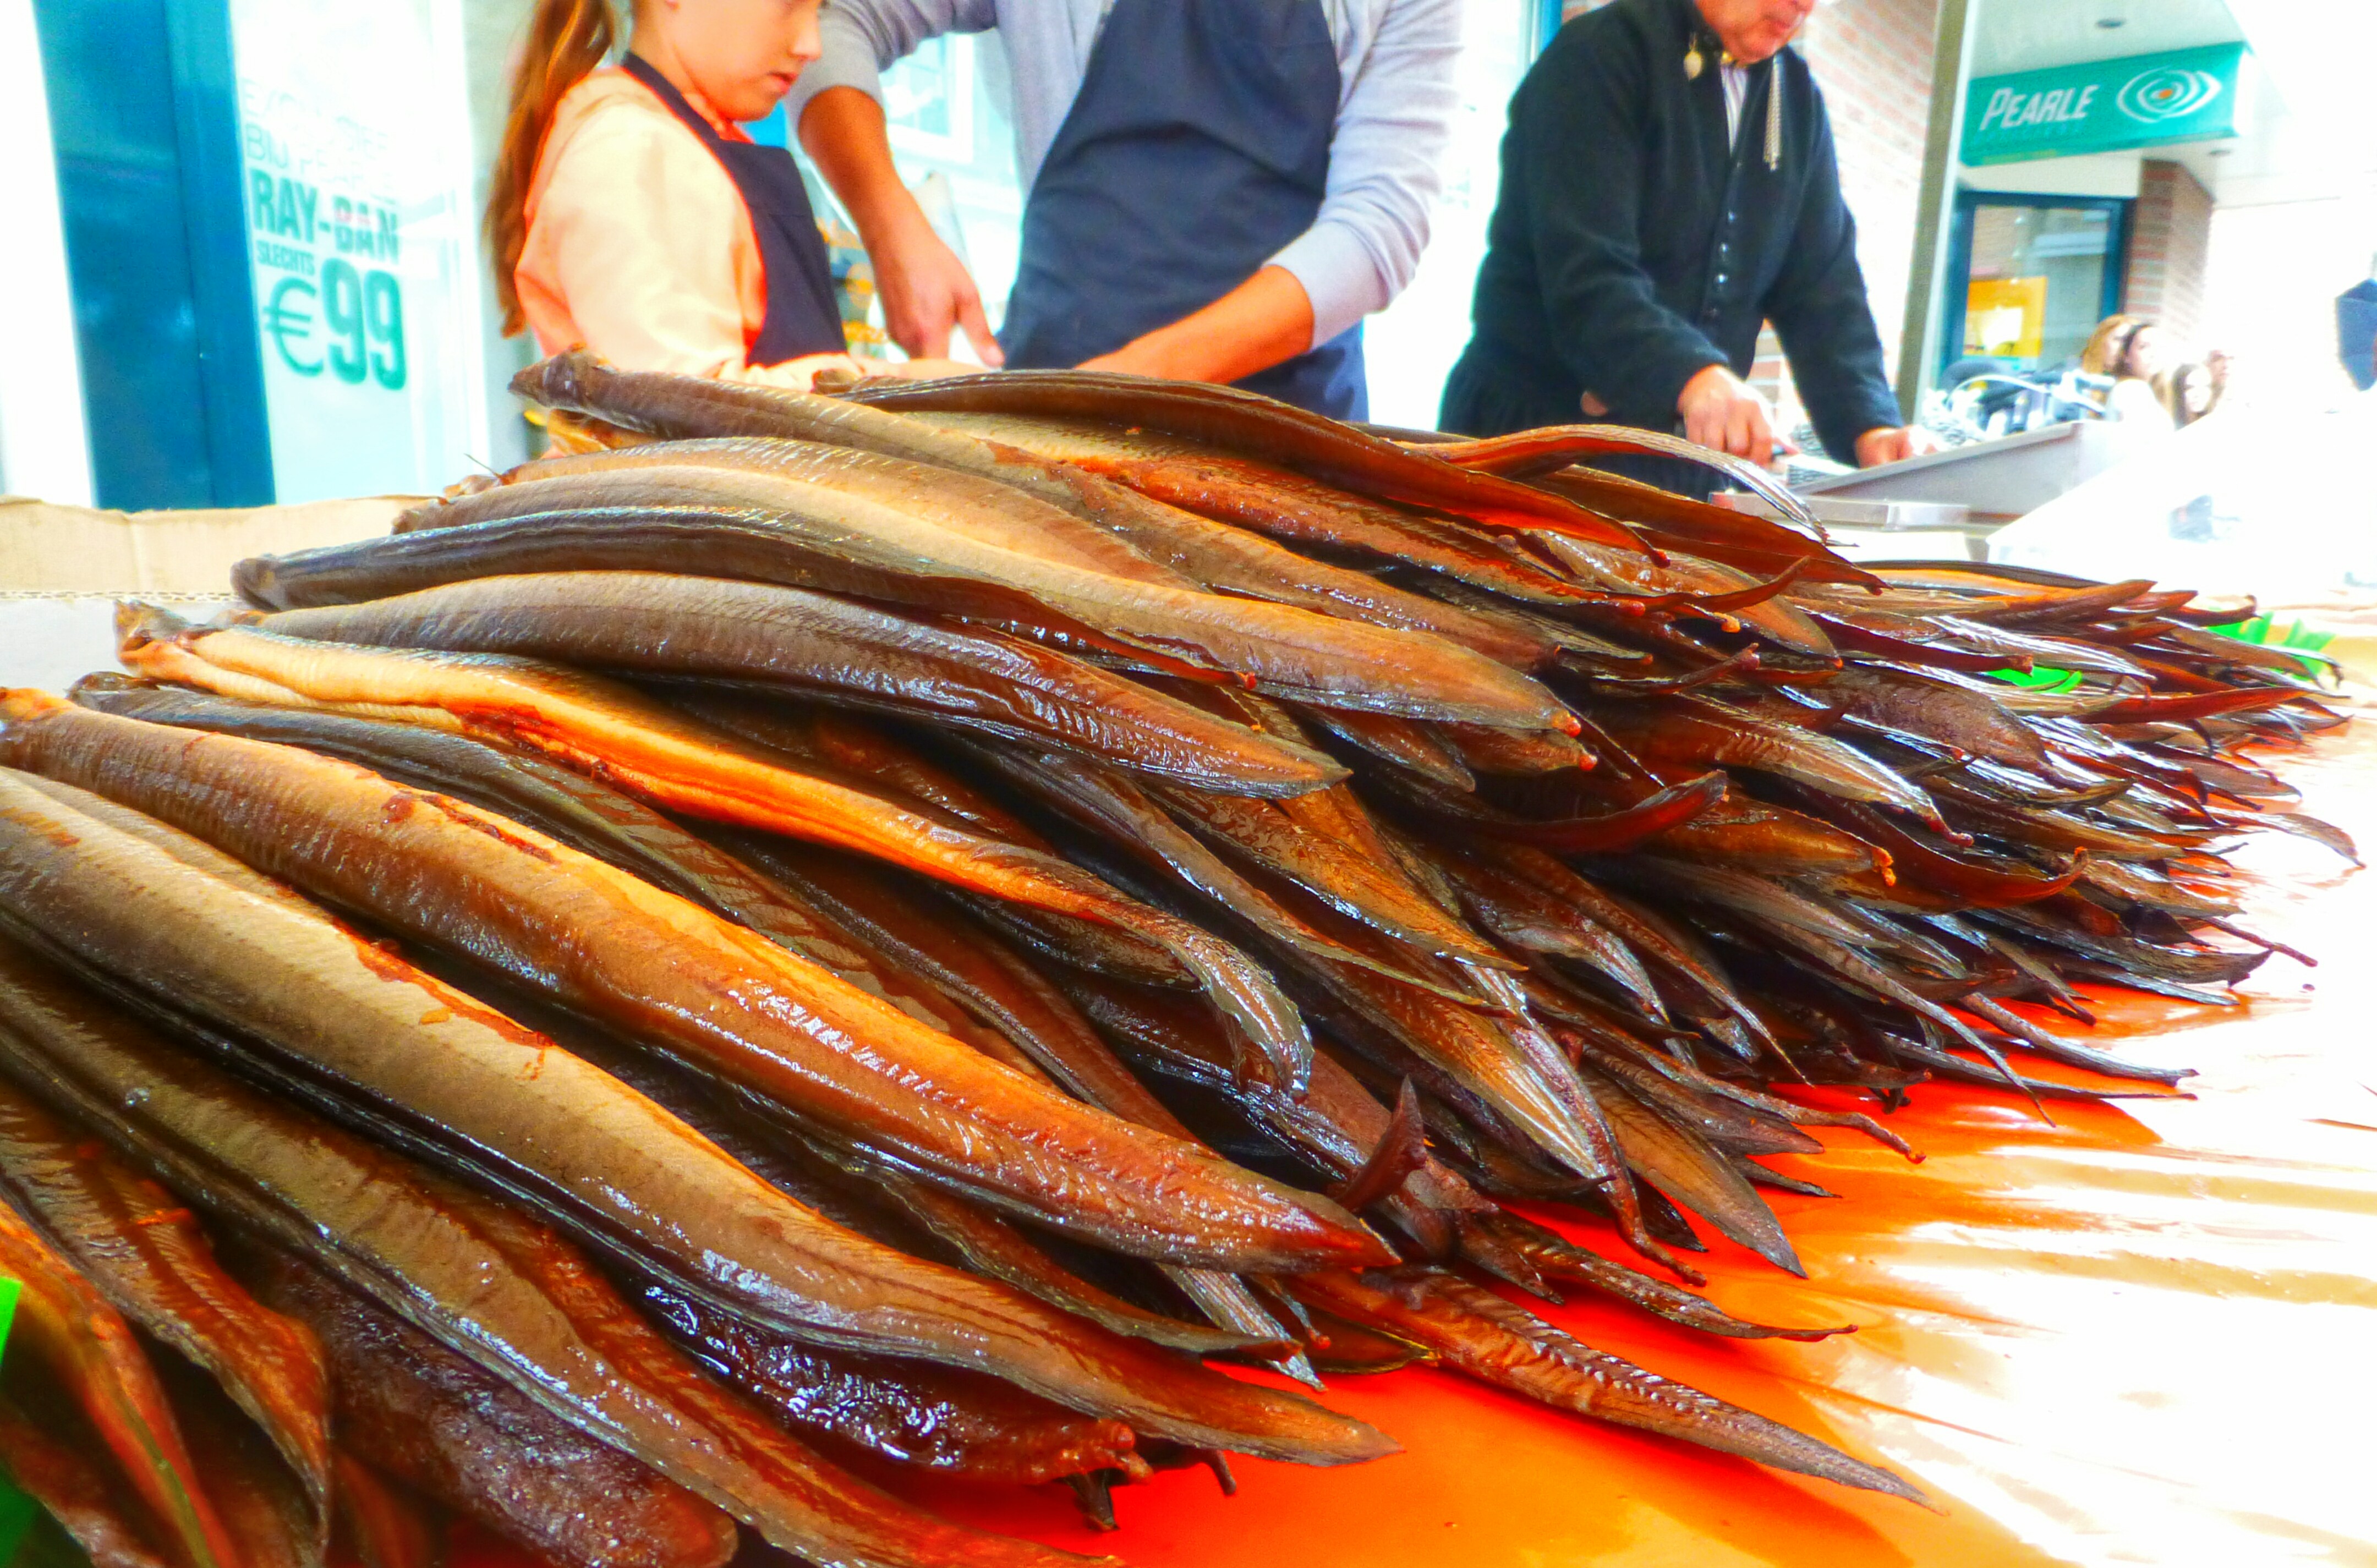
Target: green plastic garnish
{"x": 2041, "y": 679}
{"x": 17, "y": 1512}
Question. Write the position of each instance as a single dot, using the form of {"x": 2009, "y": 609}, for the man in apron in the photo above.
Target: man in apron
{"x": 1219, "y": 190}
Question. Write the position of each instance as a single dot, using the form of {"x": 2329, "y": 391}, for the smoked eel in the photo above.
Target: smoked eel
{"x": 679, "y": 763}
{"x": 583, "y": 812}
{"x": 816, "y": 644}
{"x": 443, "y": 1425}
{"x": 140, "y": 1247}
{"x": 64, "y": 1324}
{"x": 659, "y": 969}
{"x": 1250, "y": 425}
{"x": 770, "y": 529}
{"x": 495, "y": 1286}
{"x": 1472, "y": 1331}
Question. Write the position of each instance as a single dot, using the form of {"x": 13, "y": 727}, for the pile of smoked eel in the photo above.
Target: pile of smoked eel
{"x": 810, "y": 936}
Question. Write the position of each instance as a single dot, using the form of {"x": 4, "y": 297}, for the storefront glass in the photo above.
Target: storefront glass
{"x": 2033, "y": 276}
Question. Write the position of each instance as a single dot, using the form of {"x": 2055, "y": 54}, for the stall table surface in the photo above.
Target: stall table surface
{"x": 2146, "y": 1333}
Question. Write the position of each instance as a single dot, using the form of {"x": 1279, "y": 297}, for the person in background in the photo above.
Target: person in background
{"x": 2185, "y": 392}
{"x": 1669, "y": 186}
{"x": 629, "y": 213}
{"x": 1220, "y": 190}
{"x": 2218, "y": 364}
{"x": 2129, "y": 349}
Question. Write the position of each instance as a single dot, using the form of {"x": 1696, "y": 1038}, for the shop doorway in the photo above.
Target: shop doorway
{"x": 2030, "y": 277}
{"x": 144, "y": 121}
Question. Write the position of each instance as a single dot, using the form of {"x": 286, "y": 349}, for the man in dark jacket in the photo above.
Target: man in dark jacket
{"x": 1668, "y": 183}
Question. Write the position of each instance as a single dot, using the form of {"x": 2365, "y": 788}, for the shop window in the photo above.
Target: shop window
{"x": 2031, "y": 276}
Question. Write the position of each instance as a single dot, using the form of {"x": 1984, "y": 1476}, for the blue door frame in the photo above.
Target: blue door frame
{"x": 1960, "y": 256}
{"x": 144, "y": 116}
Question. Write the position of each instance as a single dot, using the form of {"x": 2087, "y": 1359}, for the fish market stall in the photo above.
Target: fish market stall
{"x": 1047, "y": 965}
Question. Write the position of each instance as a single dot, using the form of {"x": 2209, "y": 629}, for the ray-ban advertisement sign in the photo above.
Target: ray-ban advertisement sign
{"x": 2140, "y": 101}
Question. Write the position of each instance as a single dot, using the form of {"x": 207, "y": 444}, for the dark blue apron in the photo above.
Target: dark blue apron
{"x": 802, "y": 317}
{"x": 1197, "y": 149}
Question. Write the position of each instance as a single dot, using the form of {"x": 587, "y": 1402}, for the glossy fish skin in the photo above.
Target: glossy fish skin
{"x": 1556, "y": 449}
{"x": 1241, "y": 561}
{"x": 1483, "y": 750}
{"x": 1213, "y": 555}
{"x": 141, "y": 1248}
{"x": 581, "y": 812}
{"x": 1740, "y": 540}
{"x": 1697, "y": 732}
{"x": 1071, "y": 1346}
{"x": 1283, "y": 506}
{"x": 1003, "y": 990}
{"x": 1406, "y": 744}
{"x": 62, "y": 1322}
{"x": 859, "y": 748}
{"x": 1698, "y": 587}
{"x": 381, "y": 1525}
{"x": 607, "y": 522}
{"x": 654, "y": 623}
{"x": 905, "y": 1410}
{"x": 759, "y": 525}
{"x": 1661, "y": 814}
{"x": 1475, "y": 1332}
{"x": 1558, "y": 1259}
{"x": 414, "y": 1409}
{"x": 1015, "y": 1000}
{"x": 1332, "y": 868}
{"x": 1681, "y": 1165}
{"x": 1334, "y": 1129}
{"x": 678, "y": 976}
{"x": 1257, "y": 428}
{"x": 913, "y": 1413}
{"x": 659, "y": 1190}
{"x": 983, "y": 508}
{"x": 673, "y": 760}
{"x": 484, "y": 1282}
{"x": 265, "y": 1507}
{"x": 985, "y": 1317}
{"x": 1529, "y": 917}
{"x": 1472, "y": 1050}
{"x": 47, "y": 1456}
{"x": 837, "y": 744}
{"x": 1123, "y": 815}
{"x": 1651, "y": 937}
{"x": 998, "y": 1250}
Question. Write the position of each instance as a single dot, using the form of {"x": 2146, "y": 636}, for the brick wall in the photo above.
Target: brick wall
{"x": 1872, "y": 58}
{"x": 2170, "y": 241}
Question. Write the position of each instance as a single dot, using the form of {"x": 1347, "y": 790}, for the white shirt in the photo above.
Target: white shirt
{"x": 1395, "y": 105}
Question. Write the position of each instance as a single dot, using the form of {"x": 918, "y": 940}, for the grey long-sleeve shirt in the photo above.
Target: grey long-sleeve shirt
{"x": 1395, "y": 108}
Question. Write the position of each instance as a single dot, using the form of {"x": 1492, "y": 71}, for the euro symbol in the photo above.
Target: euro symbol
{"x": 284, "y": 322}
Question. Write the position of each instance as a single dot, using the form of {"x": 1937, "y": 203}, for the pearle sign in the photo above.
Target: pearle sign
{"x": 2138, "y": 100}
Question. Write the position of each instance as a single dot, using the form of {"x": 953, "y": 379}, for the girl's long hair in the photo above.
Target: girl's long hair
{"x": 566, "y": 40}
{"x": 2108, "y": 345}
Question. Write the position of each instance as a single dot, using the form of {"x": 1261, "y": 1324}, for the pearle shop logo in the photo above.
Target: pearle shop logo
{"x": 2169, "y": 93}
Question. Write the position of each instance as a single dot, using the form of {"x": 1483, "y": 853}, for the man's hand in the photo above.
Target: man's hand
{"x": 1894, "y": 444}
{"x": 926, "y": 289}
{"x": 927, "y": 293}
{"x": 1722, "y": 411}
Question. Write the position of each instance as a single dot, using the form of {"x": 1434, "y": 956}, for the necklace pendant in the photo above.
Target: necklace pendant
{"x": 1694, "y": 63}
